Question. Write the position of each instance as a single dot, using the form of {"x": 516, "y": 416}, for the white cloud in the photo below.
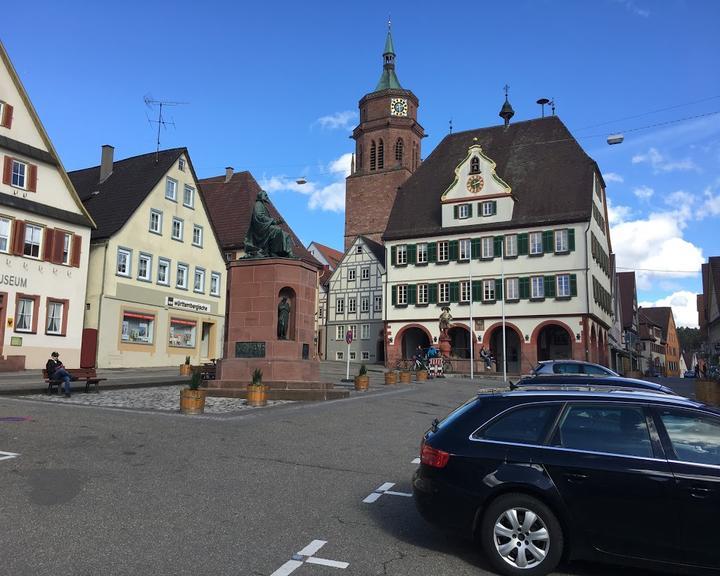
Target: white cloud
{"x": 618, "y": 214}
{"x": 338, "y": 120}
{"x": 644, "y": 192}
{"x": 684, "y": 307}
{"x": 329, "y": 197}
{"x": 613, "y": 177}
{"x": 661, "y": 163}
{"x": 680, "y": 198}
{"x": 711, "y": 202}
{"x": 631, "y": 6}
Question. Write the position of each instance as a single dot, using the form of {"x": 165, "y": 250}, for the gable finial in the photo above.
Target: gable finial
{"x": 506, "y": 112}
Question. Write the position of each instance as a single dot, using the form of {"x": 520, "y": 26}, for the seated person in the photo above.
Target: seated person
{"x": 56, "y": 371}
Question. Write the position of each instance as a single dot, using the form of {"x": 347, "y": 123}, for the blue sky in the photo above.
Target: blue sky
{"x": 273, "y": 88}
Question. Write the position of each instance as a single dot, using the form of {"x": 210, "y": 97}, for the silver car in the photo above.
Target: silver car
{"x": 572, "y": 367}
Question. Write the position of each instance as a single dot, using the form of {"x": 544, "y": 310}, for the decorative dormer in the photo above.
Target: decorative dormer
{"x": 477, "y": 195}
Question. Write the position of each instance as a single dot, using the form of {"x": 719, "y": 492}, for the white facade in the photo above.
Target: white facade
{"x": 355, "y": 303}
{"x": 44, "y": 239}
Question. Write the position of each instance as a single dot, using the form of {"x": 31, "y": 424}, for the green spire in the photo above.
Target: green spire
{"x": 388, "y": 79}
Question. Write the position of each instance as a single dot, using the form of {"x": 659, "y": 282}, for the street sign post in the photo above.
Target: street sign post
{"x": 348, "y": 339}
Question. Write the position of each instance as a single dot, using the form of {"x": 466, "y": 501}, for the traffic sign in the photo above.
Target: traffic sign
{"x": 348, "y": 337}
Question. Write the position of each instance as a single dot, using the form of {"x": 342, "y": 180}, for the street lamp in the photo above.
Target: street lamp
{"x": 615, "y": 139}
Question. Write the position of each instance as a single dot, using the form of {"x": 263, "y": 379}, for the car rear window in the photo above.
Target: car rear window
{"x": 524, "y": 425}
{"x": 458, "y": 412}
{"x": 567, "y": 368}
{"x": 695, "y": 438}
{"x": 595, "y": 370}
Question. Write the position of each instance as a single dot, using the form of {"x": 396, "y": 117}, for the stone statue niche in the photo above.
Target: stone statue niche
{"x": 286, "y": 314}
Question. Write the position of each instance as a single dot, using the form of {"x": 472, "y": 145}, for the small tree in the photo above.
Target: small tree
{"x": 196, "y": 379}
{"x": 257, "y": 377}
{"x": 363, "y": 370}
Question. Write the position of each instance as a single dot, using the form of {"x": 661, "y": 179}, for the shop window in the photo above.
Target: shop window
{"x": 138, "y": 327}
{"x": 182, "y": 333}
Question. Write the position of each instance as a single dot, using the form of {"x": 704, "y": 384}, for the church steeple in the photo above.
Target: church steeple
{"x": 388, "y": 79}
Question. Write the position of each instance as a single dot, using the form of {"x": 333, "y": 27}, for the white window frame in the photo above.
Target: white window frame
{"x": 401, "y": 254}
{"x": 352, "y": 305}
{"x": 422, "y": 294}
{"x": 35, "y": 240}
{"x": 365, "y": 331}
{"x": 185, "y": 269}
{"x": 191, "y": 204}
{"x": 126, "y": 254}
{"x": 537, "y": 287}
{"x": 422, "y": 253}
{"x": 54, "y": 305}
{"x": 181, "y": 228}
{"x": 443, "y": 292}
{"x": 156, "y": 229}
{"x": 511, "y": 246}
{"x": 19, "y": 174}
{"x": 487, "y": 247}
{"x": 402, "y": 295}
{"x": 181, "y": 164}
{"x": 535, "y": 247}
{"x": 562, "y": 286}
{"x": 364, "y": 304}
{"x": 377, "y": 304}
{"x": 147, "y": 259}
{"x": 365, "y": 273}
{"x": 463, "y": 211}
{"x": 512, "y": 289}
{"x": 487, "y": 208}
{"x": 365, "y": 355}
{"x": 443, "y": 251}
{"x": 488, "y": 290}
{"x": 67, "y": 246}
{"x": 339, "y": 355}
{"x": 351, "y": 274}
{"x": 464, "y": 249}
{"x": 197, "y": 230}
{"x": 353, "y": 354}
{"x": 171, "y": 189}
{"x": 562, "y": 242}
{"x": 5, "y": 235}
{"x": 340, "y": 306}
{"x": 358, "y": 249}
{"x": 353, "y": 329}
{"x": 199, "y": 273}
{"x": 25, "y": 326}
{"x": 465, "y": 291}
{"x": 164, "y": 263}
{"x": 340, "y": 332}
{"x": 215, "y": 278}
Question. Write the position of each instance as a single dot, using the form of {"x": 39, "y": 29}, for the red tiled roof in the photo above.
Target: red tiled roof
{"x": 330, "y": 254}
{"x": 626, "y": 283}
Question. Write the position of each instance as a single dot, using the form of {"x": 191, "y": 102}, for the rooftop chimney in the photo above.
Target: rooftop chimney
{"x": 106, "y": 162}
{"x": 228, "y": 173}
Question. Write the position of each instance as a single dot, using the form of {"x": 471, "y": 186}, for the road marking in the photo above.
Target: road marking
{"x": 305, "y": 556}
{"x": 382, "y": 490}
{"x": 8, "y": 455}
{"x": 416, "y": 461}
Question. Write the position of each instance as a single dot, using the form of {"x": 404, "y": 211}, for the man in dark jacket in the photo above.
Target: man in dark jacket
{"x": 56, "y": 371}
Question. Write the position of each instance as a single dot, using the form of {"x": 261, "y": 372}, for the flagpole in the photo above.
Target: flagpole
{"x": 502, "y": 304}
{"x": 472, "y": 332}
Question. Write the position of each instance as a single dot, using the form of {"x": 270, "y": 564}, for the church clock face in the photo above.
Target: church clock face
{"x": 475, "y": 184}
{"x": 398, "y": 107}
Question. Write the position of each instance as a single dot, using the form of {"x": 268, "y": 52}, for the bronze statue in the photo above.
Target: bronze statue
{"x": 265, "y": 238}
{"x": 445, "y": 319}
{"x": 283, "y": 318}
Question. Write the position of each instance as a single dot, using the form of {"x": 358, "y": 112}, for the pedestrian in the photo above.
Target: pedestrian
{"x": 487, "y": 357}
{"x": 697, "y": 371}
{"x": 704, "y": 370}
{"x": 56, "y": 371}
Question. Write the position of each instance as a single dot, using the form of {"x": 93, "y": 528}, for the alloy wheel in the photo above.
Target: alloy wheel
{"x": 521, "y": 538}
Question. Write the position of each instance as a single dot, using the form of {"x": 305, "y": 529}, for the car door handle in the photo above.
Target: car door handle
{"x": 698, "y": 492}
{"x": 574, "y": 478}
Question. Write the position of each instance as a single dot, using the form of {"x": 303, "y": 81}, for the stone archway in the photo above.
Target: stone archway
{"x": 513, "y": 346}
{"x": 554, "y": 342}
{"x": 460, "y": 341}
{"x": 411, "y": 338}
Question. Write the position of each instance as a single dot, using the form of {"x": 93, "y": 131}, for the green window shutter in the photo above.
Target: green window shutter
{"x": 470, "y": 210}
{"x": 549, "y": 286}
{"x": 548, "y": 241}
{"x": 524, "y": 287}
{"x": 456, "y": 209}
{"x": 477, "y": 290}
{"x": 393, "y": 256}
{"x": 454, "y": 251}
{"x": 522, "y": 244}
{"x": 571, "y": 240}
{"x": 475, "y": 247}
{"x": 432, "y": 293}
{"x": 454, "y": 291}
{"x": 497, "y": 246}
{"x": 498, "y": 289}
{"x": 412, "y": 294}
{"x": 494, "y": 207}
{"x": 411, "y": 253}
{"x": 573, "y": 284}
{"x": 393, "y": 290}
{"x": 432, "y": 252}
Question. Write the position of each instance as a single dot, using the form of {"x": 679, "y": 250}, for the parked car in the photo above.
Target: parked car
{"x": 689, "y": 374}
{"x": 572, "y": 381}
{"x": 573, "y": 367}
{"x": 537, "y": 476}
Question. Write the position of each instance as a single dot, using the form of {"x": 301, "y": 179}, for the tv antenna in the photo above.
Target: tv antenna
{"x": 151, "y": 103}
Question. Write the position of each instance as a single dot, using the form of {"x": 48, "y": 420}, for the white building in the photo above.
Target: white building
{"x": 44, "y": 239}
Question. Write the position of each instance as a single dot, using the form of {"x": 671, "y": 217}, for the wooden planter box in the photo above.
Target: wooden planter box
{"x": 390, "y": 378}
{"x": 362, "y": 382}
{"x": 256, "y": 395}
{"x": 421, "y": 375}
{"x": 405, "y": 377}
{"x": 186, "y": 369}
{"x": 192, "y": 401}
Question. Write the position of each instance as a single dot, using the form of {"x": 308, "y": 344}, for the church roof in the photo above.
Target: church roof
{"x": 230, "y": 205}
{"x": 551, "y": 178}
{"x": 388, "y": 78}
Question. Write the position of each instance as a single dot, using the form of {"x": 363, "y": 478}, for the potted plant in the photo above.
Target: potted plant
{"x": 390, "y": 377}
{"x": 192, "y": 398}
{"x": 256, "y": 390}
{"x": 186, "y": 369}
{"x": 362, "y": 380}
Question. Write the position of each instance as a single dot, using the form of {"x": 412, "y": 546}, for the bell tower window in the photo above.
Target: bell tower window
{"x": 373, "y": 155}
{"x": 360, "y": 157}
{"x": 399, "y": 150}
{"x": 381, "y": 155}
{"x": 475, "y": 165}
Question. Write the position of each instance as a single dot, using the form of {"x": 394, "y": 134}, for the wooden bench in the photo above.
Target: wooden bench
{"x": 87, "y": 375}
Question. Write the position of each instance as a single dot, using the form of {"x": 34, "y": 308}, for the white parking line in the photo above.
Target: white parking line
{"x": 416, "y": 461}
{"x": 382, "y": 490}
{"x": 305, "y": 556}
{"x": 8, "y": 455}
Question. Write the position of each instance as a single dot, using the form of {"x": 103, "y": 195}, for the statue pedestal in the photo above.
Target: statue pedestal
{"x": 445, "y": 347}
{"x": 255, "y": 288}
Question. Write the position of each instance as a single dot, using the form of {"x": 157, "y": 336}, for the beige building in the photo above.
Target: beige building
{"x": 156, "y": 282}
{"x": 44, "y": 235}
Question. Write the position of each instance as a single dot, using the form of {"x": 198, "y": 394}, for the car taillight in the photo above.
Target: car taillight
{"x": 433, "y": 457}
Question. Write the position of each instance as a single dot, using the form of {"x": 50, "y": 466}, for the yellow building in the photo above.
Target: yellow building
{"x": 44, "y": 235}
{"x": 156, "y": 279}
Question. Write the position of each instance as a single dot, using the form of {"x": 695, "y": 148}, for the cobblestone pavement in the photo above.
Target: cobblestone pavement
{"x": 164, "y": 399}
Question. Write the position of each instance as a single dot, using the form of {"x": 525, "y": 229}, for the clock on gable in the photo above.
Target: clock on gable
{"x": 398, "y": 107}
{"x": 475, "y": 184}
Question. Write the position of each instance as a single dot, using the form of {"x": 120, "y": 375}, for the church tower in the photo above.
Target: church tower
{"x": 387, "y": 152}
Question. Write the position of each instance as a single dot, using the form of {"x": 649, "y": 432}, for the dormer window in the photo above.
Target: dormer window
{"x": 475, "y": 165}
